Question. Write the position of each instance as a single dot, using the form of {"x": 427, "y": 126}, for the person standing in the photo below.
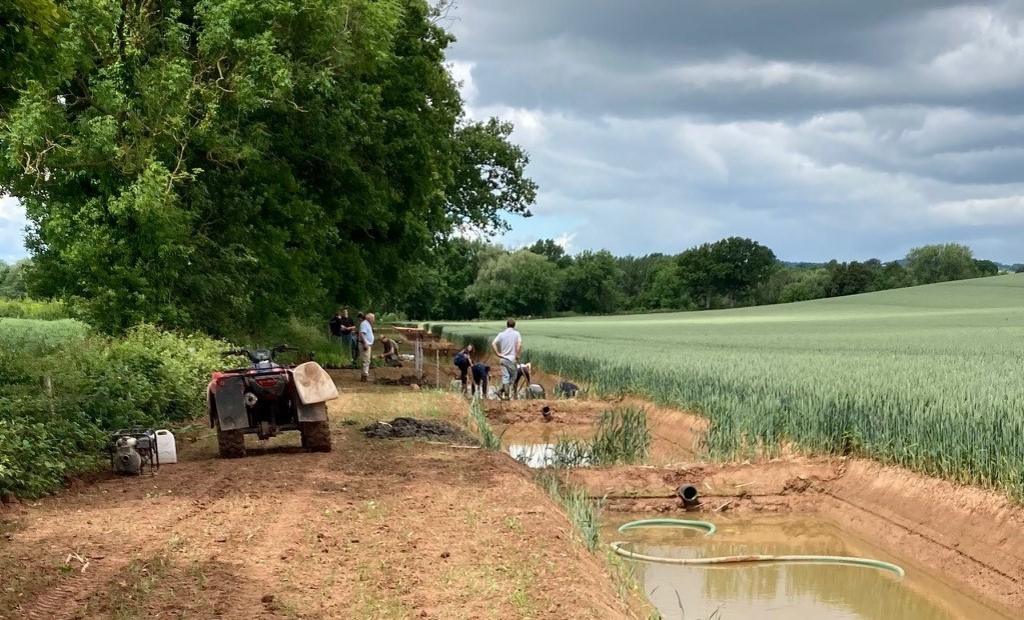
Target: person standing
{"x": 366, "y": 344}
{"x": 334, "y": 326}
{"x": 463, "y": 361}
{"x": 343, "y": 329}
{"x": 507, "y": 345}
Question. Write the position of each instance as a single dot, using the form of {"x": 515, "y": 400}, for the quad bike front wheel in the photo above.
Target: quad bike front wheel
{"x": 316, "y": 436}
{"x": 230, "y": 444}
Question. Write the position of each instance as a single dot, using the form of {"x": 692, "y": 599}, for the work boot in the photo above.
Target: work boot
{"x": 363, "y": 378}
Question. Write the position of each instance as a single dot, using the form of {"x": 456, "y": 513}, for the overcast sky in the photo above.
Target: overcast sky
{"x": 847, "y": 128}
{"x": 840, "y": 128}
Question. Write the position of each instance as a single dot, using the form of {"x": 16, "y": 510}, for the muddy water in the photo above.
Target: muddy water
{"x": 535, "y": 447}
{"x": 533, "y": 455}
{"x": 825, "y": 592}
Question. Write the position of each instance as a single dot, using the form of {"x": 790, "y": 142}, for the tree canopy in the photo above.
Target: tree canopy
{"x": 218, "y": 164}
{"x": 472, "y": 279}
{"x": 942, "y": 263}
{"x": 729, "y": 268}
{"x": 12, "y": 280}
{"x": 590, "y": 284}
{"x": 518, "y": 284}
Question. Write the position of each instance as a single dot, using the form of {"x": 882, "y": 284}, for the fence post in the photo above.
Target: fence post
{"x": 419, "y": 358}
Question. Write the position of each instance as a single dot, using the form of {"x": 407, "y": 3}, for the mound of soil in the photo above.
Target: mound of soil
{"x": 400, "y": 428}
{"x": 403, "y": 380}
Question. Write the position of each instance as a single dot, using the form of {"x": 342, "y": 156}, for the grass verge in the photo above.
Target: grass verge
{"x": 585, "y": 515}
{"x": 478, "y": 422}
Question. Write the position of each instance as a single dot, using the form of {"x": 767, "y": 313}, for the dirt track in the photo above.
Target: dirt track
{"x": 384, "y": 528}
{"x": 375, "y": 529}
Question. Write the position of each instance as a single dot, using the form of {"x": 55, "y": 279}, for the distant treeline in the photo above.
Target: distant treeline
{"x": 472, "y": 279}
{"x": 12, "y": 279}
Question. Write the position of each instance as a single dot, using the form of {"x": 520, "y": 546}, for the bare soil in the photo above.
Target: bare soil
{"x": 440, "y": 528}
{"x": 375, "y": 529}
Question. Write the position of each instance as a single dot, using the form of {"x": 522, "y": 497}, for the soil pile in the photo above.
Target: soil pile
{"x": 403, "y": 380}
{"x": 400, "y": 428}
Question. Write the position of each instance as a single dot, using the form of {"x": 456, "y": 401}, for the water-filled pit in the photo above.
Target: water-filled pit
{"x": 533, "y": 455}
{"x": 819, "y": 591}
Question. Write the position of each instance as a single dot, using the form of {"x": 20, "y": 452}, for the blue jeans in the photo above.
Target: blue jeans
{"x": 350, "y": 346}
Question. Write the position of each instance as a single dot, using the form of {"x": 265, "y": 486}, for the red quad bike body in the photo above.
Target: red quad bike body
{"x": 266, "y": 399}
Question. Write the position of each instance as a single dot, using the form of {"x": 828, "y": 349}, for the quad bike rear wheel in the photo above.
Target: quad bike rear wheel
{"x": 231, "y": 444}
{"x": 316, "y": 436}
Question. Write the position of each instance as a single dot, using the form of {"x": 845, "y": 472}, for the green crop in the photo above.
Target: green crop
{"x": 929, "y": 377}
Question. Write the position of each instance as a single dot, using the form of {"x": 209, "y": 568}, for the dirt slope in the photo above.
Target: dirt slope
{"x": 376, "y": 529}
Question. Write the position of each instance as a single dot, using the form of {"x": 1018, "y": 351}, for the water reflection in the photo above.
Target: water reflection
{"x": 535, "y": 455}
{"x": 829, "y": 592}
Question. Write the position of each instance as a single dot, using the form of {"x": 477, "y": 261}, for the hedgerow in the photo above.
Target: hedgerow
{"x": 64, "y": 389}
{"x": 33, "y": 309}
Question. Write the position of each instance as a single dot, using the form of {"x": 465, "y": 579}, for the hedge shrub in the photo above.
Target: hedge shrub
{"x": 64, "y": 390}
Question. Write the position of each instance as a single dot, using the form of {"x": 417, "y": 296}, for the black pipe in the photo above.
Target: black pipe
{"x": 689, "y": 495}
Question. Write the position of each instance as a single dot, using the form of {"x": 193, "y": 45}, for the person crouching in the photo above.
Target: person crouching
{"x": 481, "y": 372}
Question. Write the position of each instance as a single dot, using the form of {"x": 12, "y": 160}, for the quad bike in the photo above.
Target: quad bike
{"x": 268, "y": 398}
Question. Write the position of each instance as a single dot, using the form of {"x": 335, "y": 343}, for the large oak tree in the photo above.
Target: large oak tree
{"x": 219, "y": 163}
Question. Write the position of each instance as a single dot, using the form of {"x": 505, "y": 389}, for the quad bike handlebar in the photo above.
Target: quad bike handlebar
{"x": 261, "y": 355}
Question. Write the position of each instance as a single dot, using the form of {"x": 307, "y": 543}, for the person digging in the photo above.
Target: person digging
{"x": 481, "y": 373}
{"x": 390, "y": 354}
{"x": 524, "y": 376}
{"x": 463, "y": 360}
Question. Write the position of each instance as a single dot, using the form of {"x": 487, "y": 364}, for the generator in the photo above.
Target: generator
{"x": 133, "y": 450}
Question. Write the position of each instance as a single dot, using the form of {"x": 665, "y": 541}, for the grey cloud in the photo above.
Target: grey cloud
{"x": 747, "y": 59}
{"x": 825, "y": 129}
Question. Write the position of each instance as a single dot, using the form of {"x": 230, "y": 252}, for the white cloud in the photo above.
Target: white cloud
{"x": 462, "y": 72}
{"x": 1006, "y": 211}
{"x": 751, "y": 73}
{"x": 986, "y": 50}
{"x": 565, "y": 240}
{"x": 12, "y": 229}
{"x": 10, "y": 209}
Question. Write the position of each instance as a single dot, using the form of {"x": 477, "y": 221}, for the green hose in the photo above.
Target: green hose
{"x": 704, "y": 526}
{"x": 709, "y": 529}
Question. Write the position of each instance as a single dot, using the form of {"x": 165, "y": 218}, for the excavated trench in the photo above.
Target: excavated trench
{"x": 787, "y": 590}
{"x": 960, "y": 546}
{"x": 963, "y": 559}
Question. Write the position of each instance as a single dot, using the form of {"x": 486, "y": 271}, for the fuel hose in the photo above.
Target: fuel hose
{"x": 709, "y": 529}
